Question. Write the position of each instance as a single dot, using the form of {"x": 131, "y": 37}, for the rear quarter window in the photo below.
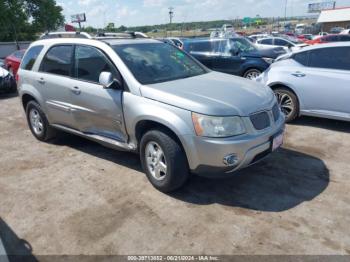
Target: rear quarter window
{"x": 266, "y": 42}
{"x": 302, "y": 58}
{"x": 30, "y": 57}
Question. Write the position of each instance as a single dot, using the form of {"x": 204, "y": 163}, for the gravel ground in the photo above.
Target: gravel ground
{"x": 73, "y": 196}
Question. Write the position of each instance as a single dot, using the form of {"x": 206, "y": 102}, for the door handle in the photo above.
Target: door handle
{"x": 76, "y": 90}
{"x": 41, "y": 80}
{"x": 299, "y": 74}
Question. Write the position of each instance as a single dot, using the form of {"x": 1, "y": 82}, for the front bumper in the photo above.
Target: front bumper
{"x": 207, "y": 155}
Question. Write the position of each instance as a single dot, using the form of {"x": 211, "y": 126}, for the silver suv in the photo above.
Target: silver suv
{"x": 149, "y": 97}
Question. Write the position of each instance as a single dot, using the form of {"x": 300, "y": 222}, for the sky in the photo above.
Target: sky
{"x": 149, "y": 12}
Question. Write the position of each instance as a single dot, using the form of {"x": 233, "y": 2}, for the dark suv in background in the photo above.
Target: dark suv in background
{"x": 236, "y": 56}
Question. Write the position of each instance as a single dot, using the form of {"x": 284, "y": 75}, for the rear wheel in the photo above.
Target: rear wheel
{"x": 163, "y": 161}
{"x": 288, "y": 103}
{"x": 38, "y": 123}
{"x": 252, "y": 73}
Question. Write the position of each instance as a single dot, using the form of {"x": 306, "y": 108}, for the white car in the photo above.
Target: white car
{"x": 288, "y": 45}
{"x": 345, "y": 32}
{"x": 313, "y": 81}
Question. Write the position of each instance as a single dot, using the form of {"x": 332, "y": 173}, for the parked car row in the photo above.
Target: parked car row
{"x": 328, "y": 39}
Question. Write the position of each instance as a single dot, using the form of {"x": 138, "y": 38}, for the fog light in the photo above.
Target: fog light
{"x": 231, "y": 160}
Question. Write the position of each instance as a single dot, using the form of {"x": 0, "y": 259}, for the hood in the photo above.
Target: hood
{"x": 213, "y": 93}
{"x": 266, "y": 52}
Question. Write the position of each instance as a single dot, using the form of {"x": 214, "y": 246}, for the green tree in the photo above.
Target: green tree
{"x": 14, "y": 24}
{"x": 46, "y": 14}
{"x": 24, "y": 19}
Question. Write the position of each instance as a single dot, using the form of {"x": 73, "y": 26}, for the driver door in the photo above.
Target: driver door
{"x": 227, "y": 59}
{"x": 96, "y": 110}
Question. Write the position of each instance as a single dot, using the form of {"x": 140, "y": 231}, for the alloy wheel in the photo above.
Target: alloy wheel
{"x": 156, "y": 161}
{"x": 286, "y": 103}
{"x": 36, "y": 122}
{"x": 252, "y": 74}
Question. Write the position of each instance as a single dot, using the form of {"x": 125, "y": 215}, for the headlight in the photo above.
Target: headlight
{"x": 268, "y": 60}
{"x": 212, "y": 126}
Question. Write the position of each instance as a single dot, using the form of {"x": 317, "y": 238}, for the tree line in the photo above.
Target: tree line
{"x": 24, "y": 19}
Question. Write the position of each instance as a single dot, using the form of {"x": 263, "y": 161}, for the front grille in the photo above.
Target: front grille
{"x": 260, "y": 121}
{"x": 276, "y": 112}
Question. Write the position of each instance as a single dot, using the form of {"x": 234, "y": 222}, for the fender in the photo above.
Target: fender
{"x": 137, "y": 108}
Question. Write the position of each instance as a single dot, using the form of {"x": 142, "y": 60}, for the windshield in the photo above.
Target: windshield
{"x": 242, "y": 45}
{"x": 153, "y": 63}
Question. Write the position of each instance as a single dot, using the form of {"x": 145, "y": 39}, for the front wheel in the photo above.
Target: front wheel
{"x": 252, "y": 74}
{"x": 288, "y": 103}
{"x": 163, "y": 161}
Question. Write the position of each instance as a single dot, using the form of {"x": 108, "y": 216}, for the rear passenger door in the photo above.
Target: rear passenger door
{"x": 54, "y": 83}
{"x": 96, "y": 110}
{"x": 325, "y": 85}
{"x": 202, "y": 51}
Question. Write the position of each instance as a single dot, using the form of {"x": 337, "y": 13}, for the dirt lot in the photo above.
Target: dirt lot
{"x": 76, "y": 197}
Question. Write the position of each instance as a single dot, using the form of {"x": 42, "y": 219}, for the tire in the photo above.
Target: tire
{"x": 288, "y": 103}
{"x": 177, "y": 171}
{"x": 252, "y": 73}
{"x": 39, "y": 126}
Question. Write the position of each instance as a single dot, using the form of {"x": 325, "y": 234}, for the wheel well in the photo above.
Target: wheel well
{"x": 273, "y": 87}
{"x": 144, "y": 126}
{"x": 26, "y": 99}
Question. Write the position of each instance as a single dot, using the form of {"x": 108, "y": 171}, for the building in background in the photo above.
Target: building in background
{"x": 339, "y": 17}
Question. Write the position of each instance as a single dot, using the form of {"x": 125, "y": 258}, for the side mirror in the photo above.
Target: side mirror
{"x": 107, "y": 81}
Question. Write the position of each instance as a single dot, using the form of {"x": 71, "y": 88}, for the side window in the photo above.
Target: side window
{"x": 332, "y": 58}
{"x": 90, "y": 62}
{"x": 266, "y": 41}
{"x": 30, "y": 57}
{"x": 203, "y": 46}
{"x": 281, "y": 42}
{"x": 220, "y": 46}
{"x": 58, "y": 60}
{"x": 302, "y": 58}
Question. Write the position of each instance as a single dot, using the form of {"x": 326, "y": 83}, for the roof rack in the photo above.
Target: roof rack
{"x": 63, "y": 34}
{"x": 125, "y": 35}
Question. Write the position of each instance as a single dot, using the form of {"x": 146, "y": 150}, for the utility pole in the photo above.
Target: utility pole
{"x": 285, "y": 13}
{"x": 171, "y": 16}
